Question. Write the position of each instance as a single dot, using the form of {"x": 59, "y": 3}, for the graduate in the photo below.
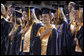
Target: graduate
{"x": 63, "y": 38}
{"x": 47, "y": 35}
{"x": 27, "y": 33}
{"x": 23, "y": 28}
{"x": 74, "y": 29}
{"x": 70, "y": 14}
{"x": 10, "y": 11}
{"x": 6, "y": 27}
{"x": 78, "y": 33}
{"x": 38, "y": 14}
{"x": 13, "y": 34}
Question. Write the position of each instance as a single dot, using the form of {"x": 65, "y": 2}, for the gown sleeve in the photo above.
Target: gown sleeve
{"x": 80, "y": 37}
{"x": 51, "y": 47}
{"x": 35, "y": 43}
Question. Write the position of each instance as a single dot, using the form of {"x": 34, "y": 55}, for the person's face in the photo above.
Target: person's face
{"x": 69, "y": 7}
{"x": 46, "y": 19}
{"x": 25, "y": 16}
{"x": 9, "y": 11}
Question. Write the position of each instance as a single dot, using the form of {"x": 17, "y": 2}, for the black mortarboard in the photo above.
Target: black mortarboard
{"x": 45, "y": 10}
{"x": 37, "y": 10}
{"x": 55, "y": 6}
{"x": 32, "y": 9}
{"x": 25, "y": 9}
{"x": 13, "y": 5}
{"x": 18, "y": 14}
{"x": 78, "y": 6}
{"x": 61, "y": 6}
{"x": 17, "y": 8}
{"x": 53, "y": 11}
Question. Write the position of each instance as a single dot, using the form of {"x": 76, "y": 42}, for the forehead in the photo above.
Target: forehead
{"x": 44, "y": 14}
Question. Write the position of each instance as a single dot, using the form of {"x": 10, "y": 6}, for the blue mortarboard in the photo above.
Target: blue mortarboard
{"x": 45, "y": 10}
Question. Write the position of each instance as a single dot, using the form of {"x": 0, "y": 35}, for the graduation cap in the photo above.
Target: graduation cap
{"x": 45, "y": 10}
{"x": 53, "y": 11}
{"x": 32, "y": 9}
{"x": 25, "y": 9}
{"x": 61, "y": 7}
{"x": 18, "y": 14}
{"x": 37, "y": 10}
{"x": 13, "y": 5}
{"x": 55, "y": 6}
{"x": 17, "y": 8}
{"x": 78, "y": 6}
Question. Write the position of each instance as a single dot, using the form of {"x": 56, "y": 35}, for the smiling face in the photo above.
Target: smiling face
{"x": 46, "y": 18}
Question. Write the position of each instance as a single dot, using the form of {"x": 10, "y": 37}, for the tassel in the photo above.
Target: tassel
{"x": 29, "y": 13}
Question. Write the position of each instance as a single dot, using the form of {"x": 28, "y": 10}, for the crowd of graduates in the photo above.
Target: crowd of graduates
{"x": 34, "y": 30}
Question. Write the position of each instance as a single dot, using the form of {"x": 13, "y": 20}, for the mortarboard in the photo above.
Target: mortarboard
{"x": 18, "y": 14}
{"x": 45, "y": 10}
{"x": 17, "y": 8}
{"x": 53, "y": 11}
{"x": 55, "y": 6}
{"x": 25, "y": 9}
{"x": 37, "y": 10}
{"x": 78, "y": 6}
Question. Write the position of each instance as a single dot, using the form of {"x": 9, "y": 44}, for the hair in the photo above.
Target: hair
{"x": 60, "y": 20}
{"x": 18, "y": 21}
{"x": 2, "y": 9}
{"x": 72, "y": 3}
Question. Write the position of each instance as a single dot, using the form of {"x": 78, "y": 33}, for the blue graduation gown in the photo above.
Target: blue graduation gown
{"x": 6, "y": 27}
{"x": 34, "y": 39}
{"x": 80, "y": 37}
{"x": 34, "y": 30}
{"x": 14, "y": 40}
{"x": 68, "y": 19}
{"x": 51, "y": 47}
{"x": 65, "y": 40}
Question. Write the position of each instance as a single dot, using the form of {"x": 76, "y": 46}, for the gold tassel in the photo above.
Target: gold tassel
{"x": 79, "y": 12}
{"x": 5, "y": 13}
{"x": 50, "y": 16}
{"x": 58, "y": 12}
{"x": 29, "y": 13}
